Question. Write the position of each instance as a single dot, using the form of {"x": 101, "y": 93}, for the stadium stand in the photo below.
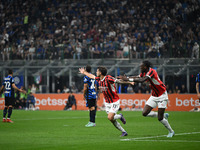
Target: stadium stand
{"x": 114, "y": 33}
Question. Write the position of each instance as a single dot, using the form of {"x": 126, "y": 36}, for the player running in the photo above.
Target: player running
{"x": 9, "y": 86}
{"x": 90, "y": 95}
{"x": 159, "y": 95}
{"x": 112, "y": 102}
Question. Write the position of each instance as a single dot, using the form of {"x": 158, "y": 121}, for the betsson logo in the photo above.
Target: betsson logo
{"x": 50, "y": 102}
{"x": 186, "y": 102}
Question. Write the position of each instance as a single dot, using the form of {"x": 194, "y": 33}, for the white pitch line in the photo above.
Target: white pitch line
{"x": 55, "y": 118}
{"x": 142, "y": 138}
{"x": 176, "y": 141}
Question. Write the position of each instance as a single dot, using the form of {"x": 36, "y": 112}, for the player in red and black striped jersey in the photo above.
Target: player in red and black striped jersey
{"x": 159, "y": 95}
{"x": 112, "y": 102}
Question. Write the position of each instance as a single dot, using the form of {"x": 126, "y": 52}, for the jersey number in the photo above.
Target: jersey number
{"x": 92, "y": 85}
{"x": 7, "y": 87}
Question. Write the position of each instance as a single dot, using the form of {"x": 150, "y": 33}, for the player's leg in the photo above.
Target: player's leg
{"x": 9, "y": 114}
{"x": 146, "y": 111}
{"x": 91, "y": 104}
{"x": 11, "y": 104}
{"x": 150, "y": 104}
{"x": 5, "y": 113}
{"x": 164, "y": 121}
{"x": 112, "y": 109}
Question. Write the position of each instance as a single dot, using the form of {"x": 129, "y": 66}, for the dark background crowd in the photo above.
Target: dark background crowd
{"x": 80, "y": 29}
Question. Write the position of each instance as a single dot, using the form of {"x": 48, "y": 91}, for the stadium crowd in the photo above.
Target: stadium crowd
{"x": 80, "y": 29}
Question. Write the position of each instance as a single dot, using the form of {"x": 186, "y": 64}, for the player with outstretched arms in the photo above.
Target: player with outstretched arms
{"x": 159, "y": 95}
{"x": 112, "y": 102}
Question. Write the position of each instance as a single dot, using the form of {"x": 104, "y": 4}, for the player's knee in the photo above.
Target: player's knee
{"x": 144, "y": 114}
{"x": 110, "y": 118}
{"x": 160, "y": 118}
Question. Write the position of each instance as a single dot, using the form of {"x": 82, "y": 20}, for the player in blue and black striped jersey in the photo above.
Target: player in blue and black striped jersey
{"x": 8, "y": 86}
{"x": 197, "y": 86}
{"x": 90, "y": 95}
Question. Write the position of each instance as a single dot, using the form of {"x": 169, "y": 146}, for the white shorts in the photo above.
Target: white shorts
{"x": 160, "y": 101}
{"x": 112, "y": 107}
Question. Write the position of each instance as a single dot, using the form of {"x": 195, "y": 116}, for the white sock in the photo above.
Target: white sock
{"x": 166, "y": 124}
{"x": 118, "y": 126}
{"x": 117, "y": 116}
{"x": 153, "y": 114}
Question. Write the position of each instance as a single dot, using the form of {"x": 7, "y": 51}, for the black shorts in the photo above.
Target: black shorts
{"x": 91, "y": 103}
{"x": 9, "y": 101}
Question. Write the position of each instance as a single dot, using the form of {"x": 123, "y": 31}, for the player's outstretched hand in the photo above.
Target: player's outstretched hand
{"x": 123, "y": 78}
{"x": 81, "y": 70}
{"x": 23, "y": 91}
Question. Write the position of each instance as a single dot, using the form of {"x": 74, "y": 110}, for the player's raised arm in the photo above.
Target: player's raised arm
{"x": 83, "y": 71}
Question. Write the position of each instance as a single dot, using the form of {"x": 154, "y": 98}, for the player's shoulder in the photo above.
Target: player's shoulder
{"x": 109, "y": 76}
{"x": 151, "y": 70}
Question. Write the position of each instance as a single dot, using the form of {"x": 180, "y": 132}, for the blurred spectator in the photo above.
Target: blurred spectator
{"x": 30, "y": 100}
{"x": 22, "y": 98}
{"x": 70, "y": 102}
{"x": 31, "y": 52}
{"x": 134, "y": 108}
{"x": 183, "y": 89}
{"x": 177, "y": 90}
{"x": 33, "y": 89}
{"x": 130, "y": 89}
{"x": 126, "y": 108}
{"x": 195, "y": 51}
{"x": 65, "y": 90}
{"x": 58, "y": 91}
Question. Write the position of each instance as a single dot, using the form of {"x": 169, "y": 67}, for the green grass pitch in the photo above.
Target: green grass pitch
{"x": 66, "y": 130}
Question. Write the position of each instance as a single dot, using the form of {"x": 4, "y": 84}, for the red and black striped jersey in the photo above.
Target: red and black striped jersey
{"x": 156, "y": 85}
{"x": 108, "y": 88}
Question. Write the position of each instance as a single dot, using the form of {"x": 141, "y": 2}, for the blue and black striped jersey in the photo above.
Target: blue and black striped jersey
{"x": 9, "y": 90}
{"x": 198, "y": 80}
{"x": 91, "y": 92}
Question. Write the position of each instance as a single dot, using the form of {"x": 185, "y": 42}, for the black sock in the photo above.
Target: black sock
{"x": 9, "y": 112}
{"x": 5, "y": 112}
{"x": 92, "y": 116}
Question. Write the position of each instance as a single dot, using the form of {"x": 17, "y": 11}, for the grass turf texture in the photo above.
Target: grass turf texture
{"x": 66, "y": 130}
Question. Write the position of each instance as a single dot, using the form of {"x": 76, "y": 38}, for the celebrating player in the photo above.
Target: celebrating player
{"x": 9, "y": 86}
{"x": 112, "y": 102}
{"x": 159, "y": 95}
{"x": 90, "y": 95}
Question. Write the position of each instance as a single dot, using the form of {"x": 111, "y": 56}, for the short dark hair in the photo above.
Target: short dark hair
{"x": 10, "y": 71}
{"x": 147, "y": 64}
{"x": 103, "y": 70}
{"x": 88, "y": 68}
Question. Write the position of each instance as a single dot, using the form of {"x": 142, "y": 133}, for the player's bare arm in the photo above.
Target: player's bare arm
{"x": 97, "y": 91}
{"x": 20, "y": 90}
{"x": 83, "y": 71}
{"x": 84, "y": 90}
{"x": 134, "y": 78}
{"x": 124, "y": 82}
